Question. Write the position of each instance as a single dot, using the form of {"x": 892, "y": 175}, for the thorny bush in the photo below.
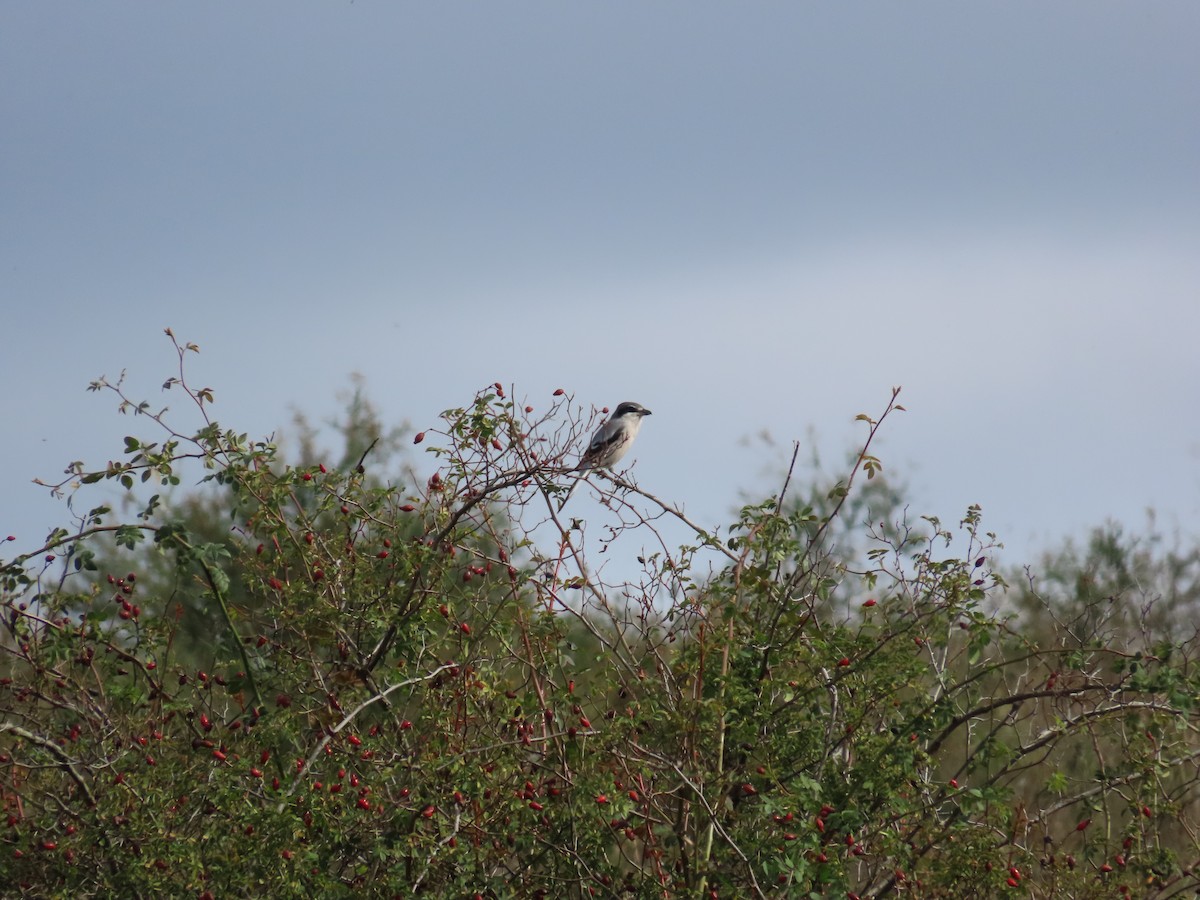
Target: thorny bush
{"x": 430, "y": 687}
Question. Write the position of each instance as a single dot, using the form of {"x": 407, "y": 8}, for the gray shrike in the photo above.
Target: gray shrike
{"x": 611, "y": 441}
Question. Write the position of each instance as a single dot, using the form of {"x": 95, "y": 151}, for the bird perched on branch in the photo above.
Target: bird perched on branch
{"x": 611, "y": 441}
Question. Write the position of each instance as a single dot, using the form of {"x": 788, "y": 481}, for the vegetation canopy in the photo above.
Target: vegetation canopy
{"x": 334, "y": 677}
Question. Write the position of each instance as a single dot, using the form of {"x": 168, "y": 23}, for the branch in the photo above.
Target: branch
{"x": 350, "y": 716}
{"x": 73, "y": 538}
{"x": 57, "y": 752}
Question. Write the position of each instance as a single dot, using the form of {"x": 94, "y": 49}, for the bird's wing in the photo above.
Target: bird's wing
{"x": 607, "y": 438}
{"x": 606, "y": 435}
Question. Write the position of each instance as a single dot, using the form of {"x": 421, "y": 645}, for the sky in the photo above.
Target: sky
{"x": 750, "y": 217}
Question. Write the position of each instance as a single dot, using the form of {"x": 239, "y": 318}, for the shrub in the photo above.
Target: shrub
{"x": 430, "y": 687}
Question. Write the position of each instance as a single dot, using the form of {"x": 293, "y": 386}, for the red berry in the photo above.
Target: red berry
{"x": 420, "y": 437}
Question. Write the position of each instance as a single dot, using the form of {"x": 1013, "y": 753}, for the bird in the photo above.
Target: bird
{"x": 611, "y": 441}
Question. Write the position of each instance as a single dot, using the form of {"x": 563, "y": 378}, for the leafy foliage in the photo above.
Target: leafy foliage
{"x": 315, "y": 680}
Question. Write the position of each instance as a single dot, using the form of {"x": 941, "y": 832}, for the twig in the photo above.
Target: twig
{"x": 57, "y": 752}
{"x": 350, "y": 716}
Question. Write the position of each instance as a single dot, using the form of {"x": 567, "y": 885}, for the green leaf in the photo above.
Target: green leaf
{"x": 129, "y": 536}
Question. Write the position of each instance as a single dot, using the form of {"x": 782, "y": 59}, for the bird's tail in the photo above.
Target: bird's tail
{"x": 563, "y": 501}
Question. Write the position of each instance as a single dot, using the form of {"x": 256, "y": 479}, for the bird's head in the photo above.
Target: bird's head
{"x": 630, "y": 410}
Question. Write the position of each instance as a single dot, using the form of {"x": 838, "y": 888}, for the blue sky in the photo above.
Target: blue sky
{"x": 749, "y": 217}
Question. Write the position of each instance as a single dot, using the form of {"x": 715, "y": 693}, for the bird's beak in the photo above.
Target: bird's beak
{"x": 646, "y": 412}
